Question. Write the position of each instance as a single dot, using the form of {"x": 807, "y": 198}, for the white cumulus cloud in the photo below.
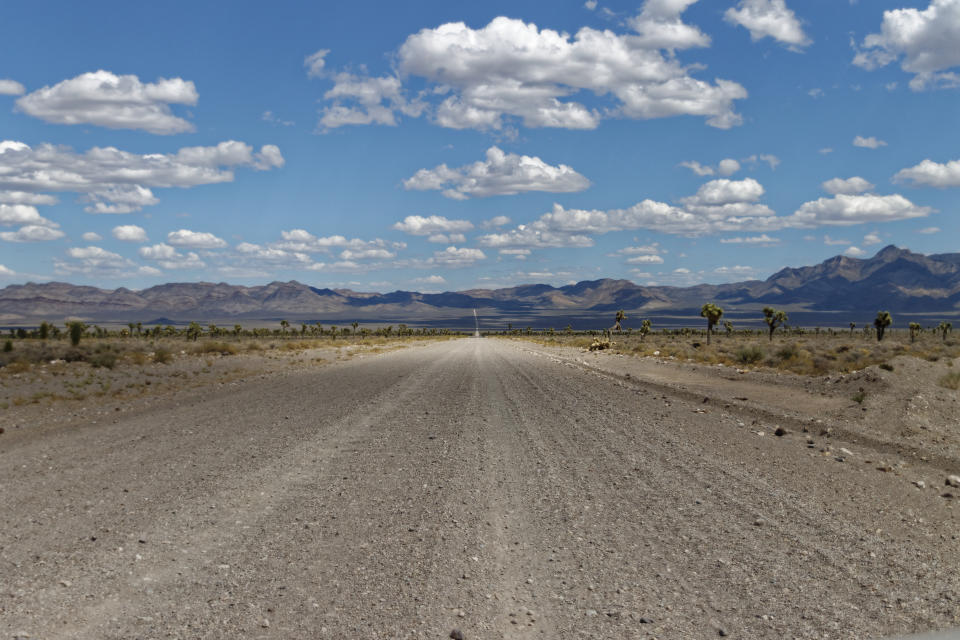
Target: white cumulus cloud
{"x": 130, "y": 233}
{"x": 763, "y": 240}
{"x": 868, "y": 143}
{"x": 117, "y": 102}
{"x": 91, "y": 236}
{"x": 844, "y": 210}
{"x": 169, "y": 258}
{"x": 931, "y": 174}
{"x": 428, "y": 225}
{"x": 848, "y": 186}
{"x": 195, "y": 239}
{"x": 11, "y": 214}
{"x": 358, "y": 100}
{"x": 96, "y": 261}
{"x": 10, "y": 87}
{"x": 434, "y": 279}
{"x": 454, "y": 257}
{"x": 925, "y": 39}
{"x": 647, "y": 259}
{"x": 510, "y": 70}
{"x": 447, "y": 238}
{"x": 315, "y": 63}
{"x": 26, "y": 197}
{"x": 32, "y": 233}
{"x": 115, "y": 181}
{"x": 500, "y": 174}
{"x": 769, "y": 18}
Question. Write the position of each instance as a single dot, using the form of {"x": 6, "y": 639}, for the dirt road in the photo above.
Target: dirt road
{"x": 462, "y": 485}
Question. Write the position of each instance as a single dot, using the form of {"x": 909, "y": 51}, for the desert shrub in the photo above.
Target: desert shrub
{"x": 821, "y": 365}
{"x": 74, "y": 355}
{"x": 787, "y": 351}
{"x": 223, "y": 348}
{"x": 105, "y": 358}
{"x": 137, "y": 357}
{"x": 950, "y": 381}
{"x": 17, "y": 366}
{"x": 886, "y": 366}
{"x": 162, "y": 356}
{"x": 749, "y": 355}
{"x": 254, "y": 346}
{"x": 8, "y": 346}
{"x": 859, "y": 397}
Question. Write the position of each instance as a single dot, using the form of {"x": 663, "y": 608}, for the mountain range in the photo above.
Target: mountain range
{"x": 839, "y": 288}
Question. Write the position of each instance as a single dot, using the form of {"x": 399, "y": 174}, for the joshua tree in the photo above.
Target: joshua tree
{"x": 915, "y": 328}
{"x": 882, "y": 321}
{"x": 944, "y": 328}
{"x": 712, "y": 313}
{"x": 284, "y": 325}
{"x": 644, "y": 329}
{"x": 237, "y": 329}
{"x": 774, "y": 318}
{"x": 620, "y": 317}
{"x": 728, "y": 326}
{"x": 355, "y": 325}
{"x": 194, "y": 331}
{"x": 853, "y": 325}
{"x": 44, "y": 330}
{"x": 76, "y": 332}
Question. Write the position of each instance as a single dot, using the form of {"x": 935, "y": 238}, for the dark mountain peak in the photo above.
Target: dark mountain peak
{"x": 891, "y": 252}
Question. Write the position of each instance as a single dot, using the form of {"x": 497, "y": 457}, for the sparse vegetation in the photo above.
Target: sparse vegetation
{"x": 881, "y": 322}
{"x": 950, "y": 381}
{"x": 944, "y": 328}
{"x": 915, "y": 329}
{"x": 774, "y": 318}
{"x": 712, "y": 313}
{"x": 222, "y": 348}
{"x": 645, "y": 328}
{"x": 750, "y": 354}
{"x": 620, "y": 317}
{"x": 76, "y": 332}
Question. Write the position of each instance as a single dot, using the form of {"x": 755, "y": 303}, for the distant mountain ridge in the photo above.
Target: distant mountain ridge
{"x": 894, "y": 279}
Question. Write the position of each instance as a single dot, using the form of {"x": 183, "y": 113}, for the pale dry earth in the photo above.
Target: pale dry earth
{"x": 480, "y": 485}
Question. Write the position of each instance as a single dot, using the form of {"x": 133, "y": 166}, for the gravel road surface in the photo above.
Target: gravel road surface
{"x": 467, "y": 485}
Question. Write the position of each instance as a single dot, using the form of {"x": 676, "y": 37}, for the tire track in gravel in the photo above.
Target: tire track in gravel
{"x": 794, "y": 531}
{"x": 201, "y": 511}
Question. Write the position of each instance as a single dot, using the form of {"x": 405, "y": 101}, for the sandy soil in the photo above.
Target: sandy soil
{"x": 495, "y": 488}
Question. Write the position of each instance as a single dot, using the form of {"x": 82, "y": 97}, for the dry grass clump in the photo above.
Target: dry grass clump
{"x": 750, "y": 354}
{"x": 950, "y": 381}
{"x": 300, "y": 345}
{"x": 215, "y": 346}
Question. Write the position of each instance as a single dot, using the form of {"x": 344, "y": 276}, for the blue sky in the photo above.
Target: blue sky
{"x": 445, "y": 146}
